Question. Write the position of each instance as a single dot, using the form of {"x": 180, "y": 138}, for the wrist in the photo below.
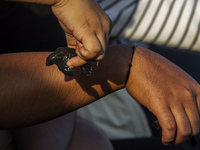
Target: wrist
{"x": 119, "y": 61}
{"x": 135, "y": 72}
{"x": 130, "y": 64}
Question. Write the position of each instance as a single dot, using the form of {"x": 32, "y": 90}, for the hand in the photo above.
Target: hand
{"x": 168, "y": 92}
{"x": 87, "y": 29}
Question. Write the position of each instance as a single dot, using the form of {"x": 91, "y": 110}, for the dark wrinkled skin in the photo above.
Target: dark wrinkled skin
{"x": 60, "y": 57}
{"x": 156, "y": 125}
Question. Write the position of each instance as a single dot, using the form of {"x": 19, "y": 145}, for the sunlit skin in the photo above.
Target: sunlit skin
{"x": 34, "y": 93}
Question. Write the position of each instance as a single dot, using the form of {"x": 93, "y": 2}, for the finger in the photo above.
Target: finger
{"x": 91, "y": 46}
{"x": 95, "y": 42}
{"x": 103, "y": 38}
{"x": 184, "y": 129}
{"x": 168, "y": 124}
{"x": 97, "y": 54}
{"x": 198, "y": 101}
{"x": 76, "y": 62}
{"x": 193, "y": 115}
{"x": 103, "y": 35}
{"x": 71, "y": 41}
{"x": 79, "y": 48}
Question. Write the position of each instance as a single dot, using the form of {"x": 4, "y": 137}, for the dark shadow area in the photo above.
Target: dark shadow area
{"x": 24, "y": 28}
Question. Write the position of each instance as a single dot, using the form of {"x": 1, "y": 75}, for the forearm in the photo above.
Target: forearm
{"x": 31, "y": 92}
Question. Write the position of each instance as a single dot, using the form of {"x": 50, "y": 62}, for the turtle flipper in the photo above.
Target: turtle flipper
{"x": 60, "y": 57}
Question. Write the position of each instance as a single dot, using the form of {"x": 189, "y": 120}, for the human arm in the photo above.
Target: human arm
{"x": 86, "y": 25}
{"x": 34, "y": 93}
{"x": 31, "y": 92}
{"x": 168, "y": 92}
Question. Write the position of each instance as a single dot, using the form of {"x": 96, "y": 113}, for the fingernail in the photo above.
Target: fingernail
{"x": 71, "y": 67}
{"x": 69, "y": 64}
{"x": 165, "y": 143}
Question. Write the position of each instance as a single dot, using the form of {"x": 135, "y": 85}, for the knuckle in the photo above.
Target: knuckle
{"x": 89, "y": 55}
{"x": 186, "y": 133}
{"x": 195, "y": 132}
{"x": 94, "y": 52}
{"x": 170, "y": 127}
{"x": 188, "y": 94}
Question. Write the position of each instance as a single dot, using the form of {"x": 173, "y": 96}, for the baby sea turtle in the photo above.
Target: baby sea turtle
{"x": 60, "y": 57}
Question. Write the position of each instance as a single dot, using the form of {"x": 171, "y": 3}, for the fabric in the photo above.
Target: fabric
{"x": 86, "y": 136}
{"x": 51, "y": 135}
{"x": 118, "y": 115}
{"x": 167, "y": 23}
{"x": 6, "y": 140}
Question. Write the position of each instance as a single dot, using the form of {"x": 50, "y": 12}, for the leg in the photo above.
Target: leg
{"x": 52, "y": 135}
{"x": 88, "y": 137}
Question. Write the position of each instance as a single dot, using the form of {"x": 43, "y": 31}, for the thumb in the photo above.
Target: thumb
{"x": 76, "y": 62}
